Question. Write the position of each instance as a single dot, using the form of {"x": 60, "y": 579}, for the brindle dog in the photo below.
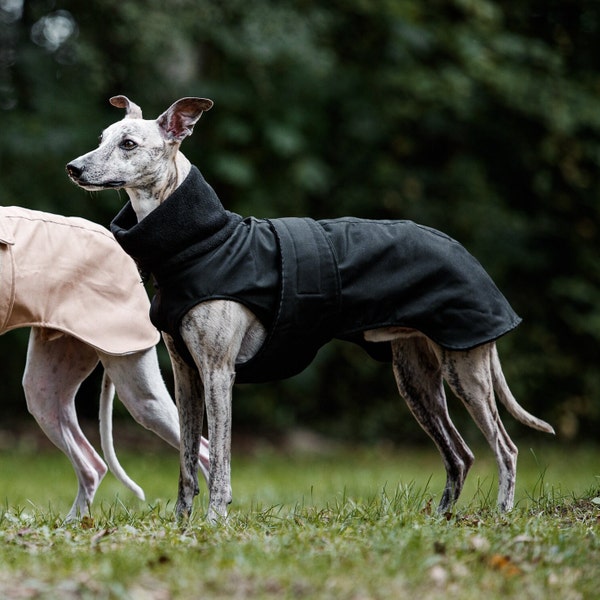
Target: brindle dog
{"x": 143, "y": 158}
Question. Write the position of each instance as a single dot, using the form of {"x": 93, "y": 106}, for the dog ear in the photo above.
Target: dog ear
{"x": 133, "y": 110}
{"x": 178, "y": 121}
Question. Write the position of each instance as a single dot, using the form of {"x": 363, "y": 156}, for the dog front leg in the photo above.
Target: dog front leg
{"x": 214, "y": 333}
{"x": 142, "y": 390}
{"x": 189, "y": 396}
{"x": 190, "y": 404}
{"x": 217, "y": 388}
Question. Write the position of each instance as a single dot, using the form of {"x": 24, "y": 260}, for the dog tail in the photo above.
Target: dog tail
{"x": 106, "y": 437}
{"x": 514, "y": 408}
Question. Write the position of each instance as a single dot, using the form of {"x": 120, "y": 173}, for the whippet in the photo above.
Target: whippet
{"x": 68, "y": 280}
{"x": 440, "y": 319}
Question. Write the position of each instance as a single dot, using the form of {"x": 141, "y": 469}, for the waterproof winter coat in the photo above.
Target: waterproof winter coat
{"x": 310, "y": 281}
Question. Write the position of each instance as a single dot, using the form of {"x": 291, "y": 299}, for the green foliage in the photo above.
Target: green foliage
{"x": 477, "y": 117}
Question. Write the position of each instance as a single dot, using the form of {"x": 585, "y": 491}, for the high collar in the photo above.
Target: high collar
{"x": 191, "y": 220}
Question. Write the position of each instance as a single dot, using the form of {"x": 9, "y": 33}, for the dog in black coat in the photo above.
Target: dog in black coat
{"x": 272, "y": 292}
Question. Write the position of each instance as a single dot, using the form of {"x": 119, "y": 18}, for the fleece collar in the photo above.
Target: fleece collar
{"x": 191, "y": 220}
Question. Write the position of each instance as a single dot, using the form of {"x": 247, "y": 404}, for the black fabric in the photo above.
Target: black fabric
{"x": 310, "y": 281}
{"x": 198, "y": 225}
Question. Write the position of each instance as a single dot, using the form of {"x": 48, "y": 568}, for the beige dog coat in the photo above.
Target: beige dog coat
{"x": 70, "y": 275}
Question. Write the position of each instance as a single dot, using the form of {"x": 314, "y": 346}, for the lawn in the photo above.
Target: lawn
{"x": 345, "y": 524}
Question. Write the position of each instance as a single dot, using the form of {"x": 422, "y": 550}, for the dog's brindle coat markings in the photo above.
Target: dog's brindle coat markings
{"x": 80, "y": 268}
{"x": 143, "y": 157}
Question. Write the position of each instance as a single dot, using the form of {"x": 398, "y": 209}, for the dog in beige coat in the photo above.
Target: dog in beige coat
{"x": 69, "y": 281}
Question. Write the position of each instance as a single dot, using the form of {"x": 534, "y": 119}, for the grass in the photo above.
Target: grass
{"x": 354, "y": 525}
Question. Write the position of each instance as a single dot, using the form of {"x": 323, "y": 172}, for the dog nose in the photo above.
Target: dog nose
{"x": 74, "y": 171}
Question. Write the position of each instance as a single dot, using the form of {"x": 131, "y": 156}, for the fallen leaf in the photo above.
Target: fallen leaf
{"x": 504, "y": 564}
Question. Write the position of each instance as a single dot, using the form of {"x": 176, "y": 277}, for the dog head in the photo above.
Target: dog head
{"x": 135, "y": 153}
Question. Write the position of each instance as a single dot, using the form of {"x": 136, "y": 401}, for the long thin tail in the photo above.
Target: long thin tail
{"x": 106, "y": 437}
{"x": 514, "y": 408}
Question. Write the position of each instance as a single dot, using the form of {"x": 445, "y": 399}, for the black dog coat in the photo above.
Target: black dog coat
{"x": 310, "y": 281}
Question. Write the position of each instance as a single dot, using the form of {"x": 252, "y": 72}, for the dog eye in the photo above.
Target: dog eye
{"x": 127, "y": 145}
{"x": 100, "y": 139}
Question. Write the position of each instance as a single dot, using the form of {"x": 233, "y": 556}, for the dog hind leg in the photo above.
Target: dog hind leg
{"x": 469, "y": 375}
{"x": 419, "y": 379}
{"x": 53, "y": 373}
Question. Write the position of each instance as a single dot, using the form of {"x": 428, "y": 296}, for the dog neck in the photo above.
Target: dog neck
{"x": 146, "y": 199}
{"x": 191, "y": 217}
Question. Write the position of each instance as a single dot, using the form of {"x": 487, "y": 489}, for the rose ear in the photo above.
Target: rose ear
{"x": 133, "y": 110}
{"x": 178, "y": 121}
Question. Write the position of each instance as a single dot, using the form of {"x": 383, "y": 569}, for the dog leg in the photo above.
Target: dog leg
{"x": 470, "y": 377}
{"x": 216, "y": 334}
{"x": 218, "y": 384}
{"x": 53, "y": 373}
{"x": 142, "y": 390}
{"x": 189, "y": 395}
{"x": 419, "y": 379}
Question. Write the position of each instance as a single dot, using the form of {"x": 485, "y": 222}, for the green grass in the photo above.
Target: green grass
{"x": 353, "y": 525}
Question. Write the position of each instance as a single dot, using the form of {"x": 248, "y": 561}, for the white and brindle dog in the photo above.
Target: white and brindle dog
{"x": 67, "y": 279}
{"x": 222, "y": 334}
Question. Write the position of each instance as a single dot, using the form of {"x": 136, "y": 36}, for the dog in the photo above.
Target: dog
{"x": 227, "y": 327}
{"x": 68, "y": 280}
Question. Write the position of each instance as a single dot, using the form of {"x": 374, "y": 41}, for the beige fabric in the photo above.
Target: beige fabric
{"x": 69, "y": 274}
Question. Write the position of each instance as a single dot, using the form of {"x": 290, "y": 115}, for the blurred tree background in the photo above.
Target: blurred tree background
{"x": 477, "y": 117}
